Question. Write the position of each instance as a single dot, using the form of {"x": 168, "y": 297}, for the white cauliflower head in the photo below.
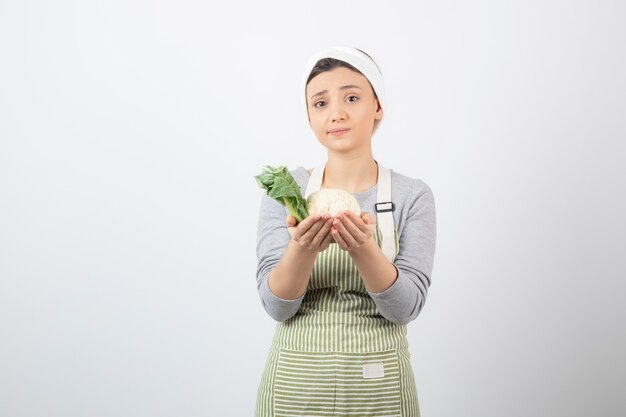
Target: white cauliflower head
{"x": 331, "y": 201}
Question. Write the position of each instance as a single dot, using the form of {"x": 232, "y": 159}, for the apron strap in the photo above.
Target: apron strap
{"x": 315, "y": 181}
{"x": 384, "y": 212}
{"x": 384, "y": 206}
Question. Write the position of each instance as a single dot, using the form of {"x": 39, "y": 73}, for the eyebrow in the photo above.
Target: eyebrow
{"x": 343, "y": 87}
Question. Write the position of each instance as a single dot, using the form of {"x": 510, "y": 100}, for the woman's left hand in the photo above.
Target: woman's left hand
{"x": 351, "y": 231}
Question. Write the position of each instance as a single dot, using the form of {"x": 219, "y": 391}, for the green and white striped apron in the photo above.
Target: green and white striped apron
{"x": 337, "y": 356}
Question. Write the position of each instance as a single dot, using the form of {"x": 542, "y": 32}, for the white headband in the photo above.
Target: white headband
{"x": 358, "y": 60}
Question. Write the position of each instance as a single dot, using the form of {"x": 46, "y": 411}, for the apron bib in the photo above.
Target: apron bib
{"x": 337, "y": 355}
{"x": 383, "y": 207}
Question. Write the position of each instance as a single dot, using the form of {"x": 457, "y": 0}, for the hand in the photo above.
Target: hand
{"x": 312, "y": 233}
{"x": 351, "y": 231}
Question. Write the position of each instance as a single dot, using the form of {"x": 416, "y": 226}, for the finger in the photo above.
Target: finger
{"x": 317, "y": 239}
{"x": 368, "y": 218}
{"x": 313, "y": 230}
{"x": 338, "y": 240}
{"x": 323, "y": 233}
{"x": 306, "y": 224}
{"x": 328, "y": 239}
{"x": 354, "y": 224}
{"x": 344, "y": 233}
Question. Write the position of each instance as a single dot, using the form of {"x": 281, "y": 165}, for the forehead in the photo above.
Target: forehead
{"x": 332, "y": 80}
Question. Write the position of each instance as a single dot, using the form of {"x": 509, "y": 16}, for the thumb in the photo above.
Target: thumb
{"x": 369, "y": 218}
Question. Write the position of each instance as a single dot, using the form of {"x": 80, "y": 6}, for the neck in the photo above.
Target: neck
{"x": 353, "y": 174}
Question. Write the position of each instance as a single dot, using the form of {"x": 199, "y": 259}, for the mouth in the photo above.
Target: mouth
{"x": 338, "y": 132}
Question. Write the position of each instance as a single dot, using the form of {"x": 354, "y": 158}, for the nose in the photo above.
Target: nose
{"x": 337, "y": 112}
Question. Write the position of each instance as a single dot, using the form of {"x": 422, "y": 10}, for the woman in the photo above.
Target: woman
{"x": 343, "y": 289}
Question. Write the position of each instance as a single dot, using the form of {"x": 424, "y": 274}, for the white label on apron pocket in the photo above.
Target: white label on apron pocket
{"x": 373, "y": 370}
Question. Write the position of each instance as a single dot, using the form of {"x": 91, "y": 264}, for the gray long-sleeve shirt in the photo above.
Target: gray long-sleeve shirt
{"x": 415, "y": 220}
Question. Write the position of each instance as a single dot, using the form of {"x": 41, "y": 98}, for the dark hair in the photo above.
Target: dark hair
{"x": 329, "y": 64}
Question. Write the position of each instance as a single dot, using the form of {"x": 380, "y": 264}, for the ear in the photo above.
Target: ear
{"x": 379, "y": 110}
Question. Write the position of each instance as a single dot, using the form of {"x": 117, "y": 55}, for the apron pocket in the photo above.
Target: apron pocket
{"x": 320, "y": 384}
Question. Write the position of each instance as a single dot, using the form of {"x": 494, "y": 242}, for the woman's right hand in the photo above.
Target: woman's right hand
{"x": 312, "y": 233}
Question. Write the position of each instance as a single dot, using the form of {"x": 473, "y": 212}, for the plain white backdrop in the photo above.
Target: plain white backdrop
{"x": 130, "y": 134}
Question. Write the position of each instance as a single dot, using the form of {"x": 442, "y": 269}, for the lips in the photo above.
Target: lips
{"x": 338, "y": 131}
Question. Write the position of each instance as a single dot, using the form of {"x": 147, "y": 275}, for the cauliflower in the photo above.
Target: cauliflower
{"x": 332, "y": 201}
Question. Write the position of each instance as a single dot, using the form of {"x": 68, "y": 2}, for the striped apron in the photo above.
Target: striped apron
{"x": 337, "y": 356}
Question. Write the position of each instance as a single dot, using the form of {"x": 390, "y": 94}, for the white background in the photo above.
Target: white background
{"x": 130, "y": 133}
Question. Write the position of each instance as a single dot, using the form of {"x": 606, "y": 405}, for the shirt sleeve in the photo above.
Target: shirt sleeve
{"x": 272, "y": 240}
{"x": 404, "y": 299}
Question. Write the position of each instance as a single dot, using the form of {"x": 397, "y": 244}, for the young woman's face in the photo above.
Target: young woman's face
{"x": 342, "y": 98}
